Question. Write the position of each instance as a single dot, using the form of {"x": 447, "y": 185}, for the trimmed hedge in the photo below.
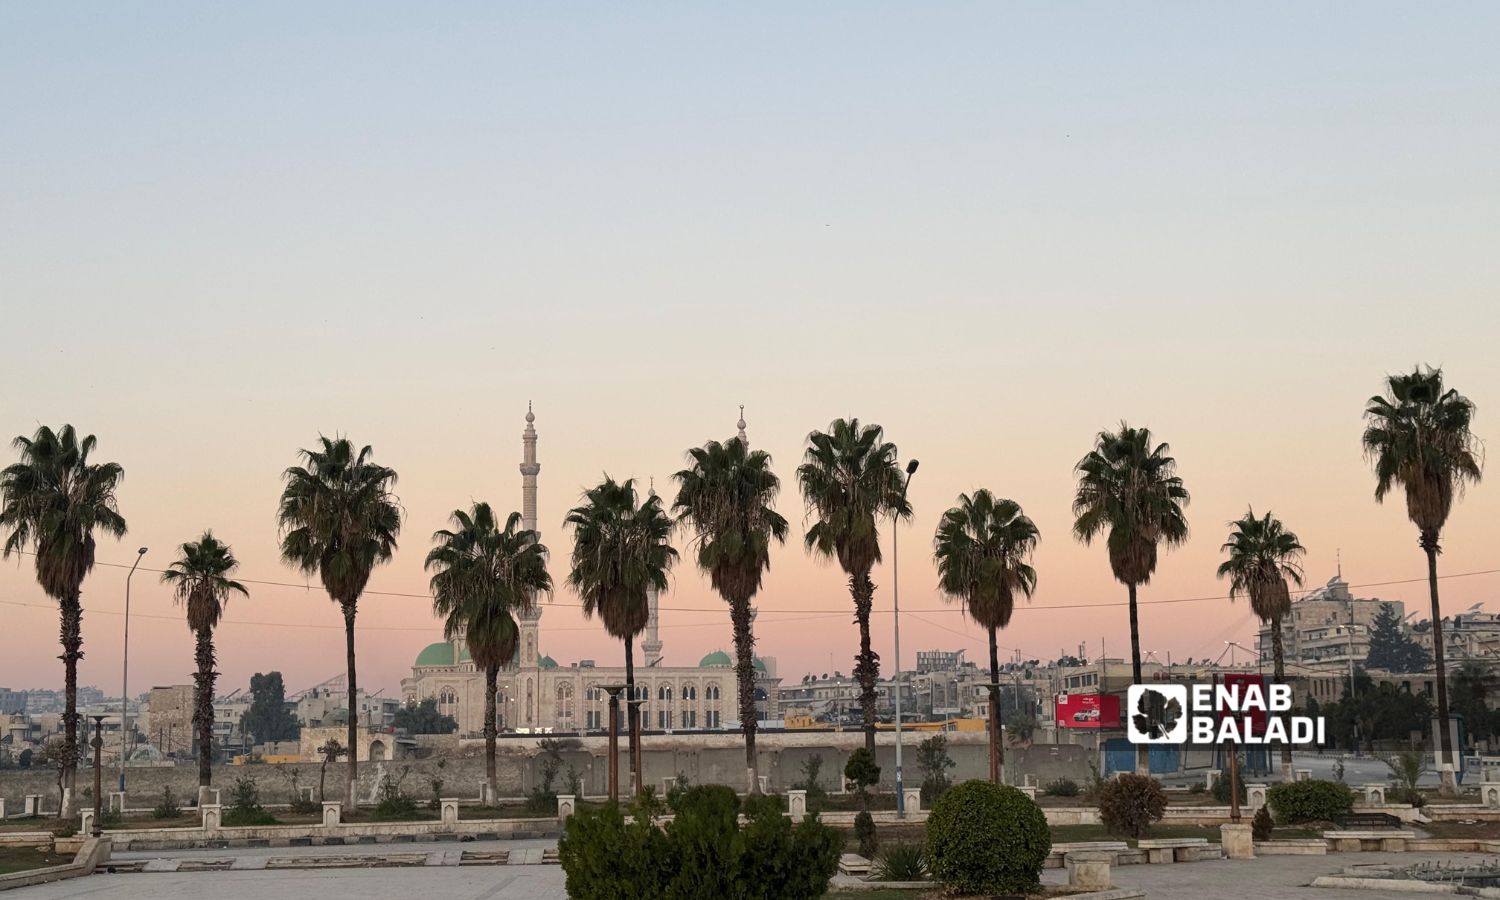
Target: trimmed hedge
{"x": 985, "y": 838}
{"x": 1131, "y": 803}
{"x": 1310, "y": 801}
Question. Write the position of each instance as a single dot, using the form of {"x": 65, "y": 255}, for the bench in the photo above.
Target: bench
{"x": 1056, "y": 859}
{"x": 1170, "y": 850}
{"x": 853, "y": 864}
{"x": 1368, "y": 820}
{"x": 1345, "y": 841}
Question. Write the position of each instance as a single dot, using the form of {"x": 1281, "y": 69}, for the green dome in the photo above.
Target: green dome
{"x": 439, "y": 654}
{"x": 547, "y": 662}
{"x": 715, "y": 660}
{"x": 758, "y": 664}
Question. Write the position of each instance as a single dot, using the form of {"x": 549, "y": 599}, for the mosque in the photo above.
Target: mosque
{"x": 539, "y": 695}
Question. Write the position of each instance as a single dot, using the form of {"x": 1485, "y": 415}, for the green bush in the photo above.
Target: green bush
{"x": 816, "y": 794}
{"x": 395, "y": 805}
{"x": 1261, "y": 825}
{"x": 1062, "y": 787}
{"x": 703, "y": 853}
{"x": 167, "y": 807}
{"x": 932, "y": 756}
{"x": 1221, "y": 786}
{"x": 861, "y": 770}
{"x": 987, "y": 838}
{"x": 1130, "y": 803}
{"x": 244, "y": 805}
{"x": 901, "y": 862}
{"x": 864, "y": 834}
{"x": 1310, "y": 801}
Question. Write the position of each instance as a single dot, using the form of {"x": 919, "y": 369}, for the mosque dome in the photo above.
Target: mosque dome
{"x": 715, "y": 660}
{"x": 439, "y": 654}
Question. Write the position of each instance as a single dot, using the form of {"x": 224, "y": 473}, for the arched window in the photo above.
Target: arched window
{"x": 447, "y": 697}
{"x": 593, "y": 701}
{"x": 664, "y": 716}
{"x": 712, "y": 715}
{"x": 564, "y": 707}
{"x": 689, "y": 706}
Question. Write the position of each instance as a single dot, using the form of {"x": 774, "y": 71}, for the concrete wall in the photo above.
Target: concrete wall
{"x": 717, "y": 758}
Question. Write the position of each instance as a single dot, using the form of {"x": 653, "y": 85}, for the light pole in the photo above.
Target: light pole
{"x": 911, "y": 469}
{"x": 125, "y": 675}
{"x": 98, "y": 744}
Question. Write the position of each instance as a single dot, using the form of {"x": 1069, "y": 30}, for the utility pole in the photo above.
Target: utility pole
{"x": 911, "y": 469}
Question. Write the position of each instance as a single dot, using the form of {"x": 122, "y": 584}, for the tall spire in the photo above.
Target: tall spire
{"x": 652, "y": 645}
{"x": 741, "y": 425}
{"x": 529, "y": 469}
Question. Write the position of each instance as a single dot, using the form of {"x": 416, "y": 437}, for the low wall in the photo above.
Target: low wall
{"x": 93, "y": 853}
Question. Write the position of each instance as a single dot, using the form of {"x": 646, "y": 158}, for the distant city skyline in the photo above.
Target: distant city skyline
{"x": 993, "y": 230}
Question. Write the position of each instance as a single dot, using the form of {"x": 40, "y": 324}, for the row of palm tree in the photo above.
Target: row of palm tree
{"x": 339, "y": 519}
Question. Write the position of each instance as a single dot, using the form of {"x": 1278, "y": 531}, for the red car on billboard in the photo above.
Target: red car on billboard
{"x": 1088, "y": 711}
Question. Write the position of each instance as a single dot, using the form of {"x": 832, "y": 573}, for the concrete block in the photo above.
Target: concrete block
{"x": 1489, "y": 792}
{"x": 1028, "y": 790}
{"x": 1088, "y": 870}
{"x": 567, "y": 804}
{"x": 32, "y": 805}
{"x": 212, "y": 815}
{"x": 1374, "y": 793}
{"x": 913, "y": 797}
{"x": 796, "y": 804}
{"x": 1302, "y": 774}
{"x": 1237, "y": 840}
{"x": 1255, "y": 796}
{"x": 332, "y": 813}
{"x": 116, "y": 802}
{"x": 207, "y": 795}
{"x": 86, "y": 823}
{"x": 449, "y": 810}
{"x": 1210, "y": 778}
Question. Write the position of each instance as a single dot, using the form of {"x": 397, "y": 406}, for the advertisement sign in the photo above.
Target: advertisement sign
{"x": 1088, "y": 711}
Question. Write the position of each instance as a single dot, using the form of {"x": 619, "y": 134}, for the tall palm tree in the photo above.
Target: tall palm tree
{"x": 620, "y": 554}
{"x": 1128, "y": 490}
{"x": 1417, "y": 435}
{"x": 727, "y": 496}
{"x": 850, "y": 479}
{"x": 52, "y": 502}
{"x": 339, "y": 520}
{"x": 482, "y": 575}
{"x": 1262, "y": 556}
{"x": 983, "y": 549}
{"x": 200, "y": 576}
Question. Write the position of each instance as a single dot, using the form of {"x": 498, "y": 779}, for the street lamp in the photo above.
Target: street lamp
{"x": 911, "y": 469}
{"x": 98, "y": 744}
{"x": 125, "y": 676}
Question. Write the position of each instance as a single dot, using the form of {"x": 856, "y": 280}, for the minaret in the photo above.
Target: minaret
{"x": 651, "y": 646}
{"x": 741, "y": 424}
{"x": 529, "y": 651}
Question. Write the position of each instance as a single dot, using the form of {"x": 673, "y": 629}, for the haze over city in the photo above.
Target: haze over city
{"x": 993, "y": 235}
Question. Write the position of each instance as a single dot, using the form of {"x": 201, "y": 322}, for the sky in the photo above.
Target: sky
{"x": 993, "y": 228}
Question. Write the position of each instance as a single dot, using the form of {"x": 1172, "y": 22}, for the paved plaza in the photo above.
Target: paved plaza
{"x": 1272, "y": 878}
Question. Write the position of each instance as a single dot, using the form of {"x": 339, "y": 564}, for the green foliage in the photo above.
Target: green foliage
{"x": 1391, "y": 647}
{"x": 422, "y": 717}
{"x": 1261, "y": 824}
{"x": 1062, "y": 787}
{"x": 244, "y": 805}
{"x": 680, "y": 784}
{"x": 1221, "y": 785}
{"x": 703, "y": 853}
{"x": 1310, "y": 801}
{"x": 395, "y": 805}
{"x": 1408, "y": 769}
{"x": 268, "y": 718}
{"x": 1093, "y": 789}
{"x": 1130, "y": 803}
{"x": 933, "y": 758}
{"x": 864, "y": 834}
{"x": 861, "y": 769}
{"x": 987, "y": 838}
{"x": 902, "y": 861}
{"x": 167, "y": 807}
{"x": 817, "y": 796}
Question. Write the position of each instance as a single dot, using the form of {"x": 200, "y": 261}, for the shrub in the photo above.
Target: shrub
{"x": 244, "y": 805}
{"x": 1408, "y": 768}
{"x": 987, "y": 838}
{"x": 932, "y": 756}
{"x": 1062, "y": 787}
{"x": 1095, "y": 786}
{"x": 1221, "y": 786}
{"x": 1197, "y": 788}
{"x": 1130, "y": 803}
{"x": 864, "y": 834}
{"x": 816, "y": 795}
{"x": 703, "y": 852}
{"x": 1310, "y": 801}
{"x": 901, "y": 862}
{"x": 680, "y": 784}
{"x": 1261, "y": 824}
{"x": 395, "y": 804}
{"x": 861, "y": 770}
{"x": 167, "y": 807}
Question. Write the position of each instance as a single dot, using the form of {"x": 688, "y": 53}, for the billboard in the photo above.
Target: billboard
{"x": 1240, "y": 682}
{"x": 1088, "y": 711}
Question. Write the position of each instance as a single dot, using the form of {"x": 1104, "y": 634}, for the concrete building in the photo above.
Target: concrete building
{"x": 1472, "y": 634}
{"x": 1327, "y": 626}
{"x": 537, "y": 694}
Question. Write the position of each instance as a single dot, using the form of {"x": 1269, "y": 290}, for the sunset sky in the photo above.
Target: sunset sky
{"x": 994, "y": 229}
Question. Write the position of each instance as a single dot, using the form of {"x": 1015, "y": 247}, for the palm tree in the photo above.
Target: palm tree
{"x": 52, "y": 501}
{"x": 727, "y": 496}
{"x": 200, "y": 576}
{"x": 1128, "y": 489}
{"x": 983, "y": 548}
{"x": 850, "y": 479}
{"x": 482, "y": 575}
{"x": 1417, "y": 434}
{"x": 620, "y": 555}
{"x": 1262, "y": 557}
{"x": 339, "y": 520}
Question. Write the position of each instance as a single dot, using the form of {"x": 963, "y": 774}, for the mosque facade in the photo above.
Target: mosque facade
{"x": 537, "y": 694}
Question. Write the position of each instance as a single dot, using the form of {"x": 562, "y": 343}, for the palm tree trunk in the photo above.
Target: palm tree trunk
{"x": 1278, "y": 654}
{"x": 491, "y": 689}
{"x": 997, "y": 736}
{"x": 1142, "y": 752}
{"x": 72, "y": 642}
{"x": 351, "y": 795}
{"x": 632, "y": 718}
{"x": 867, "y": 663}
{"x": 203, "y": 708}
{"x": 1449, "y": 786}
{"x": 744, "y": 666}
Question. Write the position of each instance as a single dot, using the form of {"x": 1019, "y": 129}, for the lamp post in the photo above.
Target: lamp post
{"x": 911, "y": 469}
{"x": 614, "y": 740}
{"x": 125, "y": 675}
{"x": 98, "y": 744}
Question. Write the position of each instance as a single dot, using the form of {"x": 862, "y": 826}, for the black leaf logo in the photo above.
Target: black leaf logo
{"x": 1155, "y": 715}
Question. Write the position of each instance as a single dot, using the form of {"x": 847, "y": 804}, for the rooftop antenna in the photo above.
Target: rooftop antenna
{"x": 1338, "y": 557}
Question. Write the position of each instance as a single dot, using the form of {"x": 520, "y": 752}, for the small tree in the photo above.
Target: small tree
{"x": 812, "y": 767}
{"x": 933, "y": 758}
{"x": 330, "y": 751}
{"x": 862, "y": 771}
{"x": 1392, "y": 648}
{"x": 244, "y": 805}
{"x": 1261, "y": 825}
{"x": 1130, "y": 803}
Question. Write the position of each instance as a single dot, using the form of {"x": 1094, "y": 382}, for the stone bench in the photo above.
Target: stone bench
{"x": 854, "y": 864}
{"x": 1056, "y": 859}
{"x": 1356, "y": 841}
{"x": 1174, "y": 850}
